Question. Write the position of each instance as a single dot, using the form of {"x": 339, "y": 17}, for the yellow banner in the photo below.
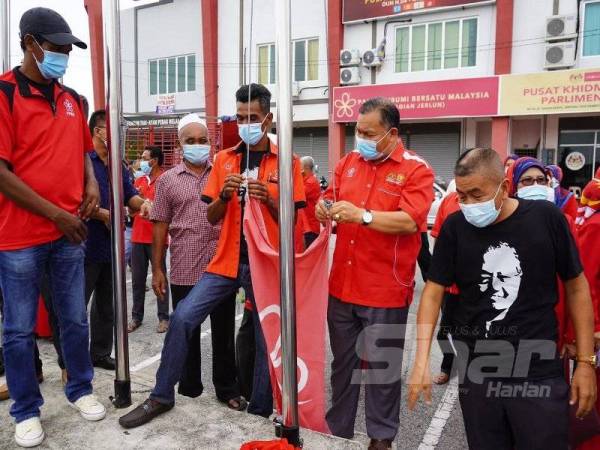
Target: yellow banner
{"x": 561, "y": 91}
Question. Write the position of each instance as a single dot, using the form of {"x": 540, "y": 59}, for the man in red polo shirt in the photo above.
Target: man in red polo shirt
{"x": 141, "y": 244}
{"x": 310, "y": 225}
{"x": 47, "y": 191}
{"x": 381, "y": 197}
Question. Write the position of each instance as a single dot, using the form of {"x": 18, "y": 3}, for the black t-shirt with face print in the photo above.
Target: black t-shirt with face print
{"x": 507, "y": 277}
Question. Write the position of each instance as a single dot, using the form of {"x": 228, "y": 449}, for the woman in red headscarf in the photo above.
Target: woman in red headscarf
{"x": 563, "y": 198}
{"x": 589, "y": 240}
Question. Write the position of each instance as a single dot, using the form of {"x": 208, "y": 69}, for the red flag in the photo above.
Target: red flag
{"x": 311, "y": 314}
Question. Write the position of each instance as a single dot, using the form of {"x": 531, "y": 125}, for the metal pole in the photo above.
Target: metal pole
{"x": 5, "y": 27}
{"x": 290, "y": 428}
{"x": 112, "y": 81}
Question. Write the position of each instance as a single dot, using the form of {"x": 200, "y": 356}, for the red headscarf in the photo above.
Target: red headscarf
{"x": 589, "y": 202}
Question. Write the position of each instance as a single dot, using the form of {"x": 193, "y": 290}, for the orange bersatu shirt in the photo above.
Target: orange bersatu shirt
{"x": 371, "y": 268}
{"x": 142, "y": 228}
{"x": 44, "y": 144}
{"x": 227, "y": 257}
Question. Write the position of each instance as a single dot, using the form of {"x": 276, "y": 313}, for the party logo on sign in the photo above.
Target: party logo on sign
{"x": 343, "y": 105}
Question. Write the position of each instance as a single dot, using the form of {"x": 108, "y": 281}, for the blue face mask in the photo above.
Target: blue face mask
{"x": 481, "y": 214}
{"x": 251, "y": 133}
{"x": 197, "y": 154}
{"x": 536, "y": 192}
{"x": 137, "y": 174}
{"x": 145, "y": 167}
{"x": 368, "y": 148}
{"x": 54, "y": 64}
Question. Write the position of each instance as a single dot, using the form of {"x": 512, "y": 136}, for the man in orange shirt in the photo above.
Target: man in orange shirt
{"x": 312, "y": 189}
{"x": 248, "y": 170}
{"x": 381, "y": 197}
{"x": 141, "y": 244}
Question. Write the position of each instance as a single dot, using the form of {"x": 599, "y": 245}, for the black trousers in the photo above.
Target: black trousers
{"x": 141, "y": 255}
{"x": 224, "y": 374}
{"x": 498, "y": 416}
{"x": 309, "y": 238}
{"x": 98, "y": 282}
{"x": 446, "y": 323}
{"x": 245, "y": 349}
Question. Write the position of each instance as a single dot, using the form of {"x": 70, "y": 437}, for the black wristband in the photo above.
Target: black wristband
{"x": 223, "y": 198}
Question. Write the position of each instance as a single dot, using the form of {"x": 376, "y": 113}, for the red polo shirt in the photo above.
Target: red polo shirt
{"x": 44, "y": 144}
{"x": 312, "y": 189}
{"x": 227, "y": 258}
{"x": 142, "y": 228}
{"x": 372, "y": 268}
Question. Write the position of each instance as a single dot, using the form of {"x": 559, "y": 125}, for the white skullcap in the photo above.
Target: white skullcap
{"x": 189, "y": 118}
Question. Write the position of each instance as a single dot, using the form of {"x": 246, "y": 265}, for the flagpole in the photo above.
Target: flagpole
{"x": 290, "y": 428}
{"x": 5, "y": 27}
{"x": 112, "y": 81}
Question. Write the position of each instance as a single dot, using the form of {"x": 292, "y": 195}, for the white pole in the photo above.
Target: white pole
{"x": 290, "y": 429}
{"x": 112, "y": 81}
{"x": 5, "y": 27}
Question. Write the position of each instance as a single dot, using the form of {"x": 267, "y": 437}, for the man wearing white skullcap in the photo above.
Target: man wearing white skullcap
{"x": 179, "y": 211}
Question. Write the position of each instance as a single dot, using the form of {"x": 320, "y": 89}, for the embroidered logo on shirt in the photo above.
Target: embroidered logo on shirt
{"x": 351, "y": 172}
{"x": 69, "y": 111}
{"x": 395, "y": 178}
{"x": 228, "y": 166}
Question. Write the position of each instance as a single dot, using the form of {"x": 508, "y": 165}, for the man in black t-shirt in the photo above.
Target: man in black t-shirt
{"x": 504, "y": 255}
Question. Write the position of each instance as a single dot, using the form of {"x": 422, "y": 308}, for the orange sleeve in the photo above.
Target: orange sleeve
{"x": 214, "y": 184}
{"x": 417, "y": 195}
{"x": 299, "y": 196}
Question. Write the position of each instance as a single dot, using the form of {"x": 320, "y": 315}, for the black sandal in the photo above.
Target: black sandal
{"x": 237, "y": 403}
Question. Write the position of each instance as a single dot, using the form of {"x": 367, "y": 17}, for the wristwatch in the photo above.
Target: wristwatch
{"x": 367, "y": 217}
{"x": 591, "y": 360}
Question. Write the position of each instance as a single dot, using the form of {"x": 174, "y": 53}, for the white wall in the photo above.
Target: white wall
{"x": 169, "y": 30}
{"x": 229, "y": 54}
{"x": 359, "y": 36}
{"x": 127, "y": 60}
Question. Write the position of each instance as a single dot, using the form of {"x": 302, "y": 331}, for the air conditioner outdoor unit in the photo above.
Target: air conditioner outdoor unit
{"x": 561, "y": 27}
{"x": 372, "y": 58}
{"x": 349, "y": 57}
{"x": 295, "y": 90}
{"x": 560, "y": 55}
{"x": 349, "y": 75}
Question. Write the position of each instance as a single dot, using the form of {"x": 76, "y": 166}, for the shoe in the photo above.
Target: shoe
{"x": 106, "y": 362}
{"x": 380, "y": 444}
{"x": 133, "y": 325}
{"x": 90, "y": 408}
{"x": 64, "y": 376}
{"x": 163, "y": 326}
{"x": 5, "y": 395}
{"x": 143, "y": 413}
{"x": 29, "y": 433}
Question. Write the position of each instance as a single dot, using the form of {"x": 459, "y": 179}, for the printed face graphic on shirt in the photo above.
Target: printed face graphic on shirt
{"x": 501, "y": 278}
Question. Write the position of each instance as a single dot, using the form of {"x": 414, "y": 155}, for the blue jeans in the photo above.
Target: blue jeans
{"x": 189, "y": 314}
{"x": 21, "y": 273}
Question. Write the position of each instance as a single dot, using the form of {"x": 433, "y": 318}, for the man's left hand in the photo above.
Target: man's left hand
{"x": 259, "y": 191}
{"x": 583, "y": 389}
{"x": 346, "y": 212}
{"x": 91, "y": 199}
{"x": 145, "y": 210}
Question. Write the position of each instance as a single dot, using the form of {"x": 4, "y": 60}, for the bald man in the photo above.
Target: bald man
{"x": 179, "y": 212}
{"x": 504, "y": 255}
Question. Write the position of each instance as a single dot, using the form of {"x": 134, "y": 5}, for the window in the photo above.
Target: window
{"x": 174, "y": 74}
{"x": 266, "y": 64}
{"x": 591, "y": 29}
{"x": 306, "y": 60}
{"x": 433, "y": 46}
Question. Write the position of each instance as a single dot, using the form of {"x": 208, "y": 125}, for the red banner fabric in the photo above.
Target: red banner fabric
{"x": 311, "y": 314}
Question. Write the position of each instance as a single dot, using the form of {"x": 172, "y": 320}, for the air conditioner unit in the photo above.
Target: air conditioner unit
{"x": 295, "y": 89}
{"x": 561, "y": 27}
{"x": 372, "y": 58}
{"x": 349, "y": 57}
{"x": 349, "y": 75}
{"x": 560, "y": 55}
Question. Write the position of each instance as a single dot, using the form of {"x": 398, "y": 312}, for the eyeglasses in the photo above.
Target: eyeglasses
{"x": 530, "y": 181}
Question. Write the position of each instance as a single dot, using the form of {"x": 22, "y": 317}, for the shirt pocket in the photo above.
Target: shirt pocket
{"x": 387, "y": 197}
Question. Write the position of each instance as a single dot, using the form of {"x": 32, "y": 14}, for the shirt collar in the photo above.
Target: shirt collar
{"x": 398, "y": 153}
{"x": 181, "y": 168}
{"x": 25, "y": 84}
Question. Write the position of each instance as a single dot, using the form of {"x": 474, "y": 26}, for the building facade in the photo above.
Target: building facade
{"x": 521, "y": 76}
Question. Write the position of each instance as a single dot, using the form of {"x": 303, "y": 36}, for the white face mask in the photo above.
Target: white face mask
{"x": 482, "y": 214}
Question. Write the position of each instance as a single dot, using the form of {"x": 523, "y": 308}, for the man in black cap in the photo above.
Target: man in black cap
{"x": 47, "y": 192}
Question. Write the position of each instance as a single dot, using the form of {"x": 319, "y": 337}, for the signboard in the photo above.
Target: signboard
{"x": 556, "y": 92}
{"x": 469, "y": 97}
{"x": 359, "y": 10}
{"x": 165, "y": 104}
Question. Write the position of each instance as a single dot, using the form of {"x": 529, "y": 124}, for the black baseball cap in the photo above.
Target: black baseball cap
{"x": 49, "y": 25}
